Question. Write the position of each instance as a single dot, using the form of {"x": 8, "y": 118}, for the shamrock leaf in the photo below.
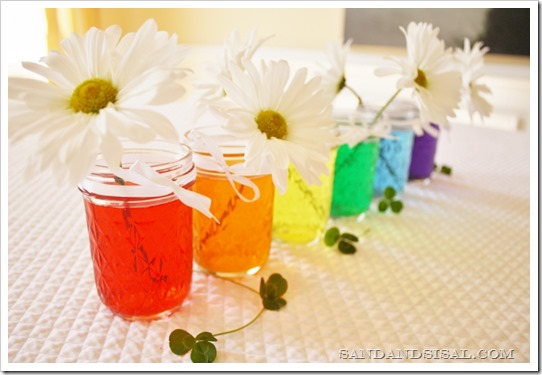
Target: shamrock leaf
{"x": 396, "y": 206}
{"x": 345, "y": 246}
{"x": 206, "y": 336}
{"x": 203, "y": 352}
{"x": 332, "y": 236}
{"x": 349, "y": 237}
{"x": 181, "y": 342}
{"x": 390, "y": 201}
{"x": 446, "y": 170}
{"x": 272, "y": 290}
{"x": 389, "y": 193}
{"x": 201, "y": 347}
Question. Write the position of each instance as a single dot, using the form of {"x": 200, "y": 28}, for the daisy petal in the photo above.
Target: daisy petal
{"x": 300, "y": 104}
{"x": 141, "y": 69}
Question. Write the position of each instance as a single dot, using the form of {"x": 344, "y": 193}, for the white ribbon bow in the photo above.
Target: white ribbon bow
{"x": 217, "y": 162}
{"x": 142, "y": 174}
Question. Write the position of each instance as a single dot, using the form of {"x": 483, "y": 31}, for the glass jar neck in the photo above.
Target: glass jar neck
{"x": 171, "y": 160}
{"x": 215, "y": 150}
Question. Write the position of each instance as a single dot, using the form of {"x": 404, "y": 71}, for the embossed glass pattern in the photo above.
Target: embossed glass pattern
{"x": 393, "y": 161}
{"x": 240, "y": 243}
{"x": 301, "y": 214}
{"x": 354, "y": 177}
{"x": 394, "y": 156}
{"x": 140, "y": 242}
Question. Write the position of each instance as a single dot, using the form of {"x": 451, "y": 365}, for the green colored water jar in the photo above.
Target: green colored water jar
{"x": 354, "y": 177}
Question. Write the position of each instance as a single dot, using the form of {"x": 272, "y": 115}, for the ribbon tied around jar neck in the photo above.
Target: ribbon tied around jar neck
{"x": 216, "y": 162}
{"x": 142, "y": 174}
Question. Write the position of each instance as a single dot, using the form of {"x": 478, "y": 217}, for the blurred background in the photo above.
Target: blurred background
{"x": 503, "y": 30}
{"x": 301, "y": 35}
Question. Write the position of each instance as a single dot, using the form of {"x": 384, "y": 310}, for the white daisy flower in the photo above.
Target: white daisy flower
{"x": 428, "y": 70}
{"x": 236, "y": 50}
{"x": 100, "y": 89}
{"x": 471, "y": 62}
{"x": 334, "y": 76}
{"x": 334, "y": 79}
{"x": 285, "y": 121}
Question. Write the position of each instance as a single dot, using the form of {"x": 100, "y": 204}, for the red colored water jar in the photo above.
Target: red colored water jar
{"x": 141, "y": 236}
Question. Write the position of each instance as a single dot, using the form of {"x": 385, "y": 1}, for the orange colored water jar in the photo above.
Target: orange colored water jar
{"x": 239, "y": 244}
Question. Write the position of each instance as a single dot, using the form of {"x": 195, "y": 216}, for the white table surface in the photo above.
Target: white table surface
{"x": 452, "y": 271}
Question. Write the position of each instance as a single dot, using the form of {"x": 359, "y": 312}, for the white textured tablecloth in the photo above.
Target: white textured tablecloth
{"x": 451, "y": 272}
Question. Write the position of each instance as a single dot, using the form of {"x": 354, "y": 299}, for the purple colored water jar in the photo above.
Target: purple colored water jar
{"x": 422, "y": 161}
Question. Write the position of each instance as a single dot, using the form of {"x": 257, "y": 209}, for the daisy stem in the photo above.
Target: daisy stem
{"x": 390, "y": 100}
{"x": 118, "y": 179}
{"x": 360, "y": 102}
{"x": 213, "y": 230}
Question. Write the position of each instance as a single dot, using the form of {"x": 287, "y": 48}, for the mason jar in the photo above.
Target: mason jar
{"x": 141, "y": 236}
{"x": 239, "y": 243}
{"x": 392, "y": 167}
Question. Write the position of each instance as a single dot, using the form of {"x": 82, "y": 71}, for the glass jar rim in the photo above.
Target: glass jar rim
{"x": 170, "y": 159}
{"x": 400, "y": 113}
{"x": 232, "y": 148}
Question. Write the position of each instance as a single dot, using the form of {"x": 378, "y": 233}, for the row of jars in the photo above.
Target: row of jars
{"x": 143, "y": 240}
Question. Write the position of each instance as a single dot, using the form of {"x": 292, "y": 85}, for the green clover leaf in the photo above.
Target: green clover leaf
{"x": 331, "y": 236}
{"x": 389, "y": 192}
{"x": 446, "y": 170}
{"x": 390, "y": 201}
{"x": 396, "y": 206}
{"x": 443, "y": 169}
{"x": 383, "y": 205}
{"x": 349, "y": 237}
{"x": 275, "y": 304}
{"x": 206, "y": 336}
{"x": 201, "y": 347}
{"x": 346, "y": 247}
{"x": 181, "y": 342}
{"x": 272, "y": 290}
{"x": 203, "y": 352}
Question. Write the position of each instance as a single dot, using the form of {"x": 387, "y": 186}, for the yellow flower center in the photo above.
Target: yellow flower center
{"x": 93, "y": 95}
{"x": 272, "y": 124}
{"x": 421, "y": 79}
{"x": 341, "y": 85}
